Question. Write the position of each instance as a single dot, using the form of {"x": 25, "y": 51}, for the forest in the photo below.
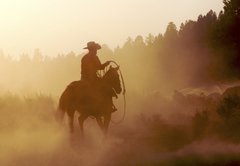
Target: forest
{"x": 201, "y": 52}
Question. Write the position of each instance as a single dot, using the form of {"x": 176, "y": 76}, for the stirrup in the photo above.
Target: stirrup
{"x": 114, "y": 109}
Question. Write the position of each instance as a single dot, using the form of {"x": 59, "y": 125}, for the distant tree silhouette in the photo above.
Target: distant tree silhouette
{"x": 227, "y": 34}
{"x": 206, "y": 50}
{"x": 171, "y": 33}
{"x": 37, "y": 56}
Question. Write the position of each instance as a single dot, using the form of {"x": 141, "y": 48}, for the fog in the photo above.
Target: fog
{"x": 167, "y": 121}
{"x": 156, "y": 130}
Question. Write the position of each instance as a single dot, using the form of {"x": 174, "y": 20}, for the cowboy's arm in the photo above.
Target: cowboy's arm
{"x": 101, "y": 66}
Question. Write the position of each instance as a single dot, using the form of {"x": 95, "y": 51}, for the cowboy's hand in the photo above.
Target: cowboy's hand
{"x": 107, "y": 63}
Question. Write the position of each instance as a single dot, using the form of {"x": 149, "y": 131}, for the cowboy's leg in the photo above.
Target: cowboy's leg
{"x": 114, "y": 94}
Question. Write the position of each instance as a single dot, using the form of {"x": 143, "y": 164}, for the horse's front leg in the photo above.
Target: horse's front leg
{"x": 81, "y": 119}
{"x": 107, "y": 118}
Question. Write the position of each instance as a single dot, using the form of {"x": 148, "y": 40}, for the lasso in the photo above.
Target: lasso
{"x": 124, "y": 96}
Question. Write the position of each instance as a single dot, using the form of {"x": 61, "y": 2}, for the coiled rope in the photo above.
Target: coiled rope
{"x": 124, "y": 95}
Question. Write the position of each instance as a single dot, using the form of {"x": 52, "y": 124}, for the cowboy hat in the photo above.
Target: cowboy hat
{"x": 92, "y": 45}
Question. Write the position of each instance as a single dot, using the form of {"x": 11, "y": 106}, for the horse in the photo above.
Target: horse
{"x": 90, "y": 100}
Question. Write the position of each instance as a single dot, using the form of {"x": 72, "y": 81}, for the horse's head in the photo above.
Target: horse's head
{"x": 112, "y": 79}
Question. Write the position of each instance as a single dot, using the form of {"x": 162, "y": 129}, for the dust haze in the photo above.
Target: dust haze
{"x": 163, "y": 124}
{"x": 182, "y": 101}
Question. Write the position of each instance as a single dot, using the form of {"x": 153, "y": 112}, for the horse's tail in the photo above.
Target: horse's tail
{"x": 61, "y": 108}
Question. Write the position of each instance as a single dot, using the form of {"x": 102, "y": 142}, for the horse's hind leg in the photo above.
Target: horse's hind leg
{"x": 71, "y": 117}
{"x": 100, "y": 123}
{"x": 81, "y": 119}
{"x": 71, "y": 124}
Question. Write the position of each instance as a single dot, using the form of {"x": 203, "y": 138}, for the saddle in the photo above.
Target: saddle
{"x": 92, "y": 96}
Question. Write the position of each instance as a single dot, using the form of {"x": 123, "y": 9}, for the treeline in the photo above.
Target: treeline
{"x": 200, "y": 52}
{"x": 38, "y": 73}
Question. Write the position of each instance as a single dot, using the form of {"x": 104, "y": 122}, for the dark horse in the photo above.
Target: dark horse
{"x": 91, "y": 99}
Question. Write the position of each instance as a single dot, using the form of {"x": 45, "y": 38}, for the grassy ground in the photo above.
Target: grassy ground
{"x": 184, "y": 130}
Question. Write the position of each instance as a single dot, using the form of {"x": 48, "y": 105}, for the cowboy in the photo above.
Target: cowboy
{"x": 91, "y": 64}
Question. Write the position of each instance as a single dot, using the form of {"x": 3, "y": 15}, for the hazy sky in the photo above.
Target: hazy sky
{"x": 59, "y": 26}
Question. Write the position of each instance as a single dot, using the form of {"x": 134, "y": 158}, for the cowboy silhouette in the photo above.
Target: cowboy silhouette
{"x": 90, "y": 64}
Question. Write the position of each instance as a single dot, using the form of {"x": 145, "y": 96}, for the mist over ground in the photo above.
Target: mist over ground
{"x": 182, "y": 130}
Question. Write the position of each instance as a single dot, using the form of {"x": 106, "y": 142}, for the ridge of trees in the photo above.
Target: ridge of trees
{"x": 203, "y": 51}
